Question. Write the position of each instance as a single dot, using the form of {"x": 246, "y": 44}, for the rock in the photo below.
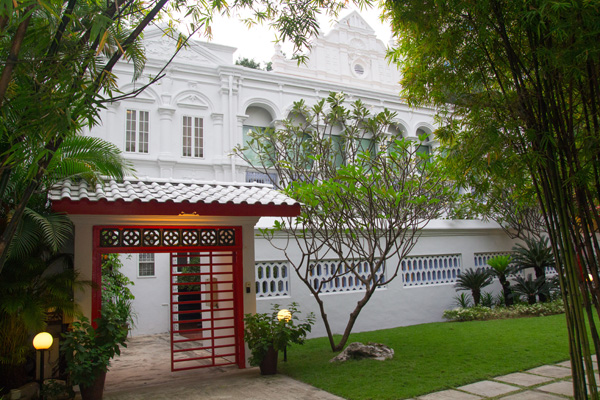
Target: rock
{"x": 357, "y": 351}
{"x": 26, "y": 392}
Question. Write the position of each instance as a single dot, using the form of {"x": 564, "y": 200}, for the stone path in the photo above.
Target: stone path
{"x": 549, "y": 382}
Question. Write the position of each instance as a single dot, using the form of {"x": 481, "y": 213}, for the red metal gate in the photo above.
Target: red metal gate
{"x": 202, "y": 310}
{"x": 206, "y": 272}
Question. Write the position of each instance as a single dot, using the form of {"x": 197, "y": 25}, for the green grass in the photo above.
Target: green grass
{"x": 432, "y": 357}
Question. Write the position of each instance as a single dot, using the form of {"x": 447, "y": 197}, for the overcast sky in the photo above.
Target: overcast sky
{"x": 257, "y": 43}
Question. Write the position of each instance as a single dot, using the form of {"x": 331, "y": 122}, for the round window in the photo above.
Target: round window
{"x": 359, "y": 69}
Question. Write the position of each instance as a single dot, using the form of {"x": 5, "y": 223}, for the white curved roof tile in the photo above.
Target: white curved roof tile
{"x": 162, "y": 191}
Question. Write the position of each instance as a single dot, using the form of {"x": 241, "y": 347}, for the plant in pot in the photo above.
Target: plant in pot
{"x": 266, "y": 334}
{"x": 89, "y": 348}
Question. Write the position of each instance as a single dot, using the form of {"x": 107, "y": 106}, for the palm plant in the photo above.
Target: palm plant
{"x": 35, "y": 277}
{"x": 34, "y": 280}
{"x": 536, "y": 254}
{"x": 473, "y": 280}
{"x": 531, "y": 288}
{"x": 501, "y": 268}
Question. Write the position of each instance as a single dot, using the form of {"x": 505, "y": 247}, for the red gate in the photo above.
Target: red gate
{"x": 202, "y": 310}
{"x": 206, "y": 272}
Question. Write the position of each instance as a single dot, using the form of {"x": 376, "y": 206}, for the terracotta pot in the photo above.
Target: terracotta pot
{"x": 268, "y": 366}
{"x": 95, "y": 390}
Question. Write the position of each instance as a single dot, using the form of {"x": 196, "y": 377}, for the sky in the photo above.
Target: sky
{"x": 257, "y": 43}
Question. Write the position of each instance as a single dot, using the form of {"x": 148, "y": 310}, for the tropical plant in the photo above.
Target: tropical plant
{"x": 263, "y": 331}
{"x": 463, "y": 300}
{"x": 366, "y": 192}
{"x": 116, "y": 293}
{"x": 501, "y": 268}
{"x": 531, "y": 289}
{"x": 35, "y": 280}
{"x": 473, "y": 280}
{"x": 487, "y": 299}
{"x": 536, "y": 254}
{"x": 88, "y": 350}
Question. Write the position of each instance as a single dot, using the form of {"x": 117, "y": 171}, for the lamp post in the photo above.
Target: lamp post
{"x": 285, "y": 315}
{"x": 42, "y": 341}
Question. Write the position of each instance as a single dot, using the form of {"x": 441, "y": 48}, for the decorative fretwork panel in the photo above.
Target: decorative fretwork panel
{"x": 430, "y": 270}
{"x": 272, "y": 279}
{"x": 166, "y": 237}
{"x": 480, "y": 259}
{"x": 333, "y": 276}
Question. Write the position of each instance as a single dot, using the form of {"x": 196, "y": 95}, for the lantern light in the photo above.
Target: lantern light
{"x": 42, "y": 341}
{"x": 285, "y": 315}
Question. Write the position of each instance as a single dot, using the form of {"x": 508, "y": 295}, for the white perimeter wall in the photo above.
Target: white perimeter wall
{"x": 398, "y": 305}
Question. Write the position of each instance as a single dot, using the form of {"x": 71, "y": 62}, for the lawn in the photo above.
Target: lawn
{"x": 432, "y": 357}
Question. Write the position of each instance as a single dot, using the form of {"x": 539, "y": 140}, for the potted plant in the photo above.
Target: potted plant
{"x": 89, "y": 348}
{"x": 266, "y": 334}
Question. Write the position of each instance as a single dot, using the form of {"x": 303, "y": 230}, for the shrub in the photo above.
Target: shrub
{"x": 480, "y": 313}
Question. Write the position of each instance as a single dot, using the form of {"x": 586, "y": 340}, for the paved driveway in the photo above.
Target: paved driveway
{"x": 143, "y": 371}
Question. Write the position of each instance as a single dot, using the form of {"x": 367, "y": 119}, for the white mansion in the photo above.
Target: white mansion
{"x": 184, "y": 127}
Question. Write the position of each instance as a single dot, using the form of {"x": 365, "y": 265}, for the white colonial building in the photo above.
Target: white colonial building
{"x": 183, "y": 129}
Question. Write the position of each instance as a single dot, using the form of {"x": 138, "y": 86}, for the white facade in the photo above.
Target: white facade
{"x": 186, "y": 125}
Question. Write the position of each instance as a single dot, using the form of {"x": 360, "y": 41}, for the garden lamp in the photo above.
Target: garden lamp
{"x": 42, "y": 341}
{"x": 285, "y": 315}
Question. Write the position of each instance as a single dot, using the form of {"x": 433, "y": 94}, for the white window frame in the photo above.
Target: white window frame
{"x": 145, "y": 260}
{"x": 192, "y": 136}
{"x": 137, "y": 131}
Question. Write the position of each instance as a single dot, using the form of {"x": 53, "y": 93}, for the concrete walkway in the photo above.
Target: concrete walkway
{"x": 549, "y": 382}
{"x": 142, "y": 372}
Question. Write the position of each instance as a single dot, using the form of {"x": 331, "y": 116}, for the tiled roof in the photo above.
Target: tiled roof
{"x": 169, "y": 190}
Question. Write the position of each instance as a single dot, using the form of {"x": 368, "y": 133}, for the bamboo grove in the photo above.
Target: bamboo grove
{"x": 518, "y": 81}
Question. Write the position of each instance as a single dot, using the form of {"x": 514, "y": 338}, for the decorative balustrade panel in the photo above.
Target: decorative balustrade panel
{"x": 480, "y": 260}
{"x": 332, "y": 276}
{"x": 272, "y": 279}
{"x": 430, "y": 270}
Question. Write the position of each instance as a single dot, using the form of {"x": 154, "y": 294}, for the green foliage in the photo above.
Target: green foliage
{"x": 502, "y": 269}
{"x": 536, "y": 254}
{"x": 88, "y": 351}
{"x": 116, "y": 293}
{"x": 35, "y": 281}
{"x": 251, "y": 63}
{"x": 463, "y": 300}
{"x": 481, "y": 313}
{"x": 263, "y": 330}
{"x": 474, "y": 280}
{"x": 516, "y": 87}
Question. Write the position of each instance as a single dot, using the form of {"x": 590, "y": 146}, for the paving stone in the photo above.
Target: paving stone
{"x": 488, "y": 388}
{"x": 551, "y": 371}
{"x": 523, "y": 379}
{"x": 532, "y": 395}
{"x": 449, "y": 395}
{"x": 566, "y": 364}
{"x": 563, "y": 387}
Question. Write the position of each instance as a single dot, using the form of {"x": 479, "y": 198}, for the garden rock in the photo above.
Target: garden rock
{"x": 357, "y": 351}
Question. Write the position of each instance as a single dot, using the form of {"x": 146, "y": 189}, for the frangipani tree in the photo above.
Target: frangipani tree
{"x": 365, "y": 191}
